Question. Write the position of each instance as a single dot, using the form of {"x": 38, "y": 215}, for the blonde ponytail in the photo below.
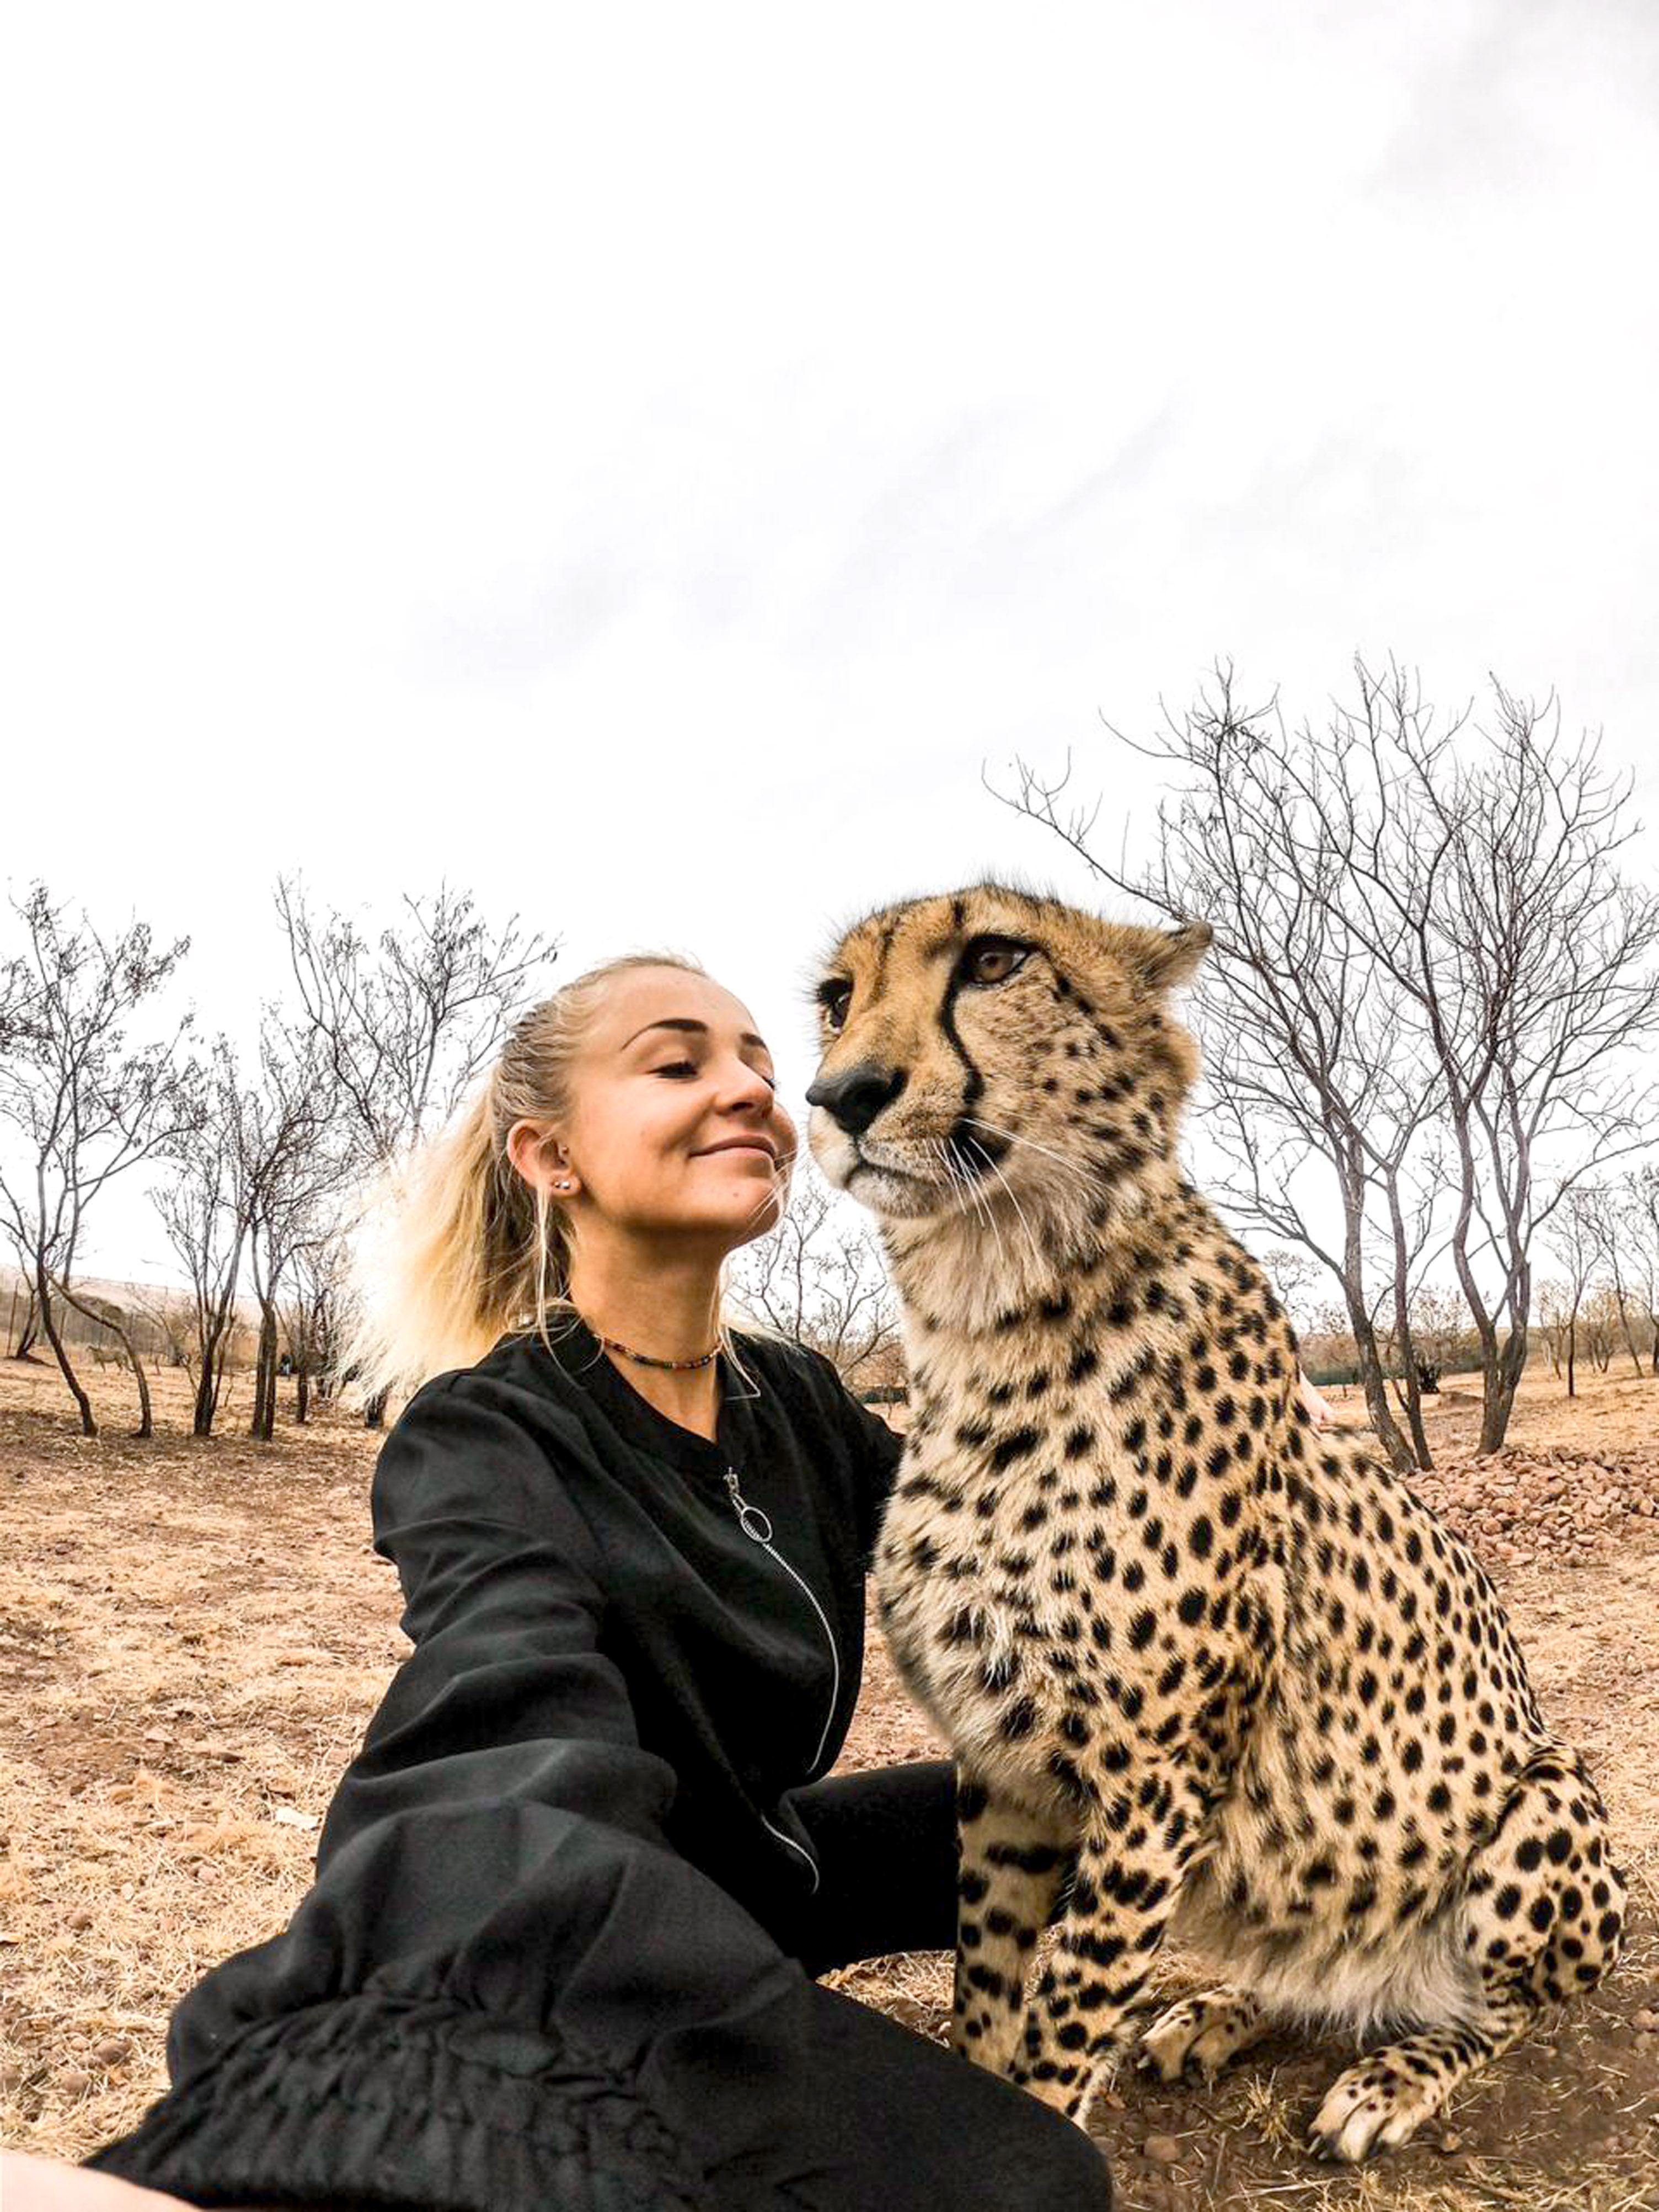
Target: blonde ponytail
{"x": 455, "y": 1249}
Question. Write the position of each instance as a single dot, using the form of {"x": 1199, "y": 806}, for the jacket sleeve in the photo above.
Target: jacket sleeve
{"x": 492, "y": 1879}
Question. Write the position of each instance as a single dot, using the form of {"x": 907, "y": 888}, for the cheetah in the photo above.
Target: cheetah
{"x": 1205, "y": 1671}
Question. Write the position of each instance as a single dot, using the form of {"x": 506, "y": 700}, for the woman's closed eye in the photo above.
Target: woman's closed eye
{"x": 689, "y": 1067}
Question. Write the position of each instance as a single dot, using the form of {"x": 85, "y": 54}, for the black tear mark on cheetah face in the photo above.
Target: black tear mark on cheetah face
{"x": 990, "y": 1035}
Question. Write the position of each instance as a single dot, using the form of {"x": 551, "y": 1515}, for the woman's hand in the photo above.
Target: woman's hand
{"x": 1319, "y": 1410}
{"x": 28, "y": 2184}
{"x": 42, "y": 2184}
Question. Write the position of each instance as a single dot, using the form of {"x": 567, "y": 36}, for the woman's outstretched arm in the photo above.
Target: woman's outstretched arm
{"x": 504, "y": 1973}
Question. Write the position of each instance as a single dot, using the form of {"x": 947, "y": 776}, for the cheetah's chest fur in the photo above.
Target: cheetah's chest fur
{"x": 1116, "y": 1544}
{"x": 1064, "y": 1560}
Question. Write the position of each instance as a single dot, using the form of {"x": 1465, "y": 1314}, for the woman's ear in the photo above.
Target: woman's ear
{"x": 539, "y": 1159}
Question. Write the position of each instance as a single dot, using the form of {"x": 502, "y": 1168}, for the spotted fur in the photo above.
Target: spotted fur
{"x": 1204, "y": 1670}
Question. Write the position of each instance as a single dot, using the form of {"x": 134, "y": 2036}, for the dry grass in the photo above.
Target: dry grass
{"x": 192, "y": 1638}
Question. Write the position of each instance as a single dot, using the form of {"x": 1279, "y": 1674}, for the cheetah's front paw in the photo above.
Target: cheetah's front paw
{"x": 1375, "y": 2106}
{"x": 1199, "y": 2035}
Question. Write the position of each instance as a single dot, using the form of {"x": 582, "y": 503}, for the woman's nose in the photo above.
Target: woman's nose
{"x": 747, "y": 1085}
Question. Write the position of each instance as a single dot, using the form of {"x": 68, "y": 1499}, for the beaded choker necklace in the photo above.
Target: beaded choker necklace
{"x": 647, "y": 1359}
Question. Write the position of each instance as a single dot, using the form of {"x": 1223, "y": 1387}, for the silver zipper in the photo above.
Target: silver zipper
{"x": 756, "y": 1525}
{"x": 794, "y": 1846}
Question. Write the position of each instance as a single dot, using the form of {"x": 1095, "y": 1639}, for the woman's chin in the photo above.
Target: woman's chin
{"x": 730, "y": 1219}
{"x": 752, "y": 1223}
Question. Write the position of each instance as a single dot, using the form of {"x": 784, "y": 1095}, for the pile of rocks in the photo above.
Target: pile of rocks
{"x": 1553, "y": 1502}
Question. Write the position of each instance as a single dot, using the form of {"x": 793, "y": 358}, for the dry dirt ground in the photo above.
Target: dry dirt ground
{"x": 192, "y": 1637}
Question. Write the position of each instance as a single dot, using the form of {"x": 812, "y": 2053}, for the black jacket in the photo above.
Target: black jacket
{"x": 544, "y": 1939}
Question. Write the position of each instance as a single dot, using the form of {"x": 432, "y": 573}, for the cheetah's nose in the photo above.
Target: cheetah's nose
{"x": 854, "y": 1097}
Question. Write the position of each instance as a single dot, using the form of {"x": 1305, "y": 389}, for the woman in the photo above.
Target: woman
{"x": 572, "y": 1894}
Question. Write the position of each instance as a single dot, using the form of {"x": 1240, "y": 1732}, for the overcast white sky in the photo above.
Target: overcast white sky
{"x": 638, "y": 462}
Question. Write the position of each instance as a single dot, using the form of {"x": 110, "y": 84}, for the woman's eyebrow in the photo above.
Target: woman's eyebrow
{"x": 696, "y": 1029}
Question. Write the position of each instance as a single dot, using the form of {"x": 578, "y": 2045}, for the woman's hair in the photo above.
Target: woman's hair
{"x": 457, "y": 1249}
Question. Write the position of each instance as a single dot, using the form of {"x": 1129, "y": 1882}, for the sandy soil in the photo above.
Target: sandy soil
{"x": 192, "y": 1638}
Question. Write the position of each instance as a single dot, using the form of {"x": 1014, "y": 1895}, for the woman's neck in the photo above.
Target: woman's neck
{"x": 667, "y": 1305}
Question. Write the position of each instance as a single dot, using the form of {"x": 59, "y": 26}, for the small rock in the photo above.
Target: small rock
{"x": 1449, "y": 2140}
{"x": 112, "y": 2050}
{"x": 1165, "y": 2150}
{"x": 79, "y": 1918}
{"x": 1646, "y": 2019}
{"x": 72, "y": 2082}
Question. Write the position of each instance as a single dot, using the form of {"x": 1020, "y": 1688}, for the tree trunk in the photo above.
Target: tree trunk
{"x": 1371, "y": 1375}
{"x": 1402, "y": 1331}
{"x": 211, "y": 1382}
{"x": 263, "y": 1422}
{"x": 301, "y": 1398}
{"x": 1629, "y": 1333}
{"x": 1499, "y": 1371}
{"x": 1497, "y": 1405}
{"x": 146, "y": 1426}
{"x": 207, "y": 1390}
{"x": 43, "y": 1299}
{"x": 1572, "y": 1347}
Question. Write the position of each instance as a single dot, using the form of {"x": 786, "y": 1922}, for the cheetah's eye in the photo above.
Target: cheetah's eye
{"x": 993, "y": 959}
{"x": 835, "y": 996}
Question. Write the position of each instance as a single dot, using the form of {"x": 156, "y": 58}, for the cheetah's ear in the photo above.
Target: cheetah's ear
{"x": 1171, "y": 957}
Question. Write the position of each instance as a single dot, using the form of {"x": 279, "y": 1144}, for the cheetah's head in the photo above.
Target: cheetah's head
{"x": 995, "y": 1039}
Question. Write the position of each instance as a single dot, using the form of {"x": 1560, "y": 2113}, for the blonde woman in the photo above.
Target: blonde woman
{"x": 573, "y": 1895}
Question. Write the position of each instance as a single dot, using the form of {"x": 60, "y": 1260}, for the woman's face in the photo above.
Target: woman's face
{"x": 674, "y": 1124}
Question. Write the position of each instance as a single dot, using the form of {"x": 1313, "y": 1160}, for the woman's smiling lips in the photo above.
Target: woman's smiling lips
{"x": 740, "y": 1144}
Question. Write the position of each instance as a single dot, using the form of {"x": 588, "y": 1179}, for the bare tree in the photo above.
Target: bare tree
{"x": 205, "y": 1208}
{"x": 170, "y": 1313}
{"x": 30, "y": 1329}
{"x": 1639, "y": 1218}
{"x": 1599, "y": 1326}
{"x": 1572, "y": 1238}
{"x": 407, "y": 1018}
{"x": 110, "y": 1315}
{"x": 1550, "y": 1304}
{"x": 820, "y": 1281}
{"x": 1423, "y": 941}
{"x": 1295, "y": 1274}
{"x": 1529, "y": 961}
{"x": 1609, "y": 1223}
{"x": 1440, "y": 1331}
{"x": 86, "y": 1105}
{"x": 17, "y": 1000}
{"x": 1305, "y": 1067}
{"x": 313, "y": 1313}
{"x": 295, "y": 1168}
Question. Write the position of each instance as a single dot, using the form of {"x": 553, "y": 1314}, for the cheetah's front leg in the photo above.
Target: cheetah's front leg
{"x": 1134, "y": 1850}
{"x": 1011, "y": 1864}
